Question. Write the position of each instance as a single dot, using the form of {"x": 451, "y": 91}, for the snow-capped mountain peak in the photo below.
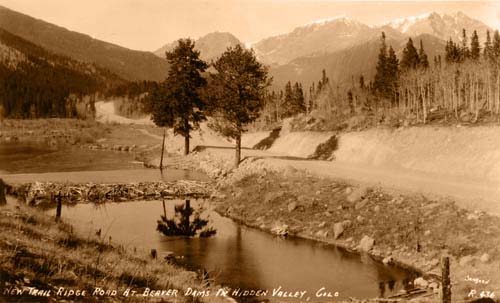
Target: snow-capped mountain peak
{"x": 324, "y": 21}
{"x": 443, "y": 26}
{"x": 403, "y": 24}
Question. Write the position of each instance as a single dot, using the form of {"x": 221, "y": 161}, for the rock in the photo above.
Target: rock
{"x": 388, "y": 260}
{"x": 433, "y": 285}
{"x": 318, "y": 193}
{"x": 464, "y": 261}
{"x": 420, "y": 282}
{"x": 361, "y": 204}
{"x": 399, "y": 200}
{"x": 376, "y": 209}
{"x": 338, "y": 230}
{"x": 366, "y": 244}
{"x": 360, "y": 219}
{"x": 346, "y": 223}
{"x": 485, "y": 258}
{"x": 280, "y": 230}
{"x": 322, "y": 224}
{"x": 292, "y": 206}
{"x": 357, "y": 195}
{"x": 472, "y": 217}
{"x": 348, "y": 190}
{"x": 427, "y": 233}
{"x": 321, "y": 234}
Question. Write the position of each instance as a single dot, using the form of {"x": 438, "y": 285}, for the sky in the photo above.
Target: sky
{"x": 149, "y": 24}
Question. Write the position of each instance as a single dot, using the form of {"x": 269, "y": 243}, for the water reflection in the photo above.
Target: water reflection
{"x": 241, "y": 257}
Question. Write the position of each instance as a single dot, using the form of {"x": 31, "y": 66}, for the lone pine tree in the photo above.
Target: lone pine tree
{"x": 236, "y": 92}
{"x": 177, "y": 103}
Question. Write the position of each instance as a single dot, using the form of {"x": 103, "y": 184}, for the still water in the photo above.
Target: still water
{"x": 241, "y": 257}
{"x": 21, "y": 162}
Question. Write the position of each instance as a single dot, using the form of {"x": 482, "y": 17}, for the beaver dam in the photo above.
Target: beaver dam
{"x": 43, "y": 192}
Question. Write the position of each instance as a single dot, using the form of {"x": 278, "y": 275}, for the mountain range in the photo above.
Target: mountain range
{"x": 344, "y": 47}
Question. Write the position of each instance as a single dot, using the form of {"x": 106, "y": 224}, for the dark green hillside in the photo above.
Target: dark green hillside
{"x": 128, "y": 64}
{"x": 37, "y": 83}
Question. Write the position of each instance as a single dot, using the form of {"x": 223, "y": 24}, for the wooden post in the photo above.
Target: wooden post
{"x": 3, "y": 200}
{"x": 154, "y": 253}
{"x": 59, "y": 206}
{"x": 445, "y": 280}
{"x": 164, "y": 209}
{"x": 162, "y": 149}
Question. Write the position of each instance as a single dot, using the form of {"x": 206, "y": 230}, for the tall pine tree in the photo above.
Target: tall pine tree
{"x": 422, "y": 56}
{"x": 488, "y": 48}
{"x": 410, "y": 59}
{"x": 380, "y": 81}
{"x": 178, "y": 103}
{"x": 475, "y": 50}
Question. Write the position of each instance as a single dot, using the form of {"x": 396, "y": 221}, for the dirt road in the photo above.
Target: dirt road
{"x": 472, "y": 194}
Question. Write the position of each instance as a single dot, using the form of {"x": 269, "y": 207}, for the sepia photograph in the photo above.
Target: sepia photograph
{"x": 250, "y": 151}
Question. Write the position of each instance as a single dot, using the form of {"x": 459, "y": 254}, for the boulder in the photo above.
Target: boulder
{"x": 466, "y": 260}
{"x": 338, "y": 230}
{"x": 280, "y": 230}
{"x": 346, "y": 223}
{"x": 420, "y": 282}
{"x": 321, "y": 234}
{"x": 388, "y": 260}
{"x": 366, "y": 244}
{"x": 361, "y": 204}
{"x": 292, "y": 206}
{"x": 357, "y": 194}
{"x": 485, "y": 258}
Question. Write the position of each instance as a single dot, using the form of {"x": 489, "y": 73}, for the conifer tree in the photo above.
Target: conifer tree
{"x": 475, "y": 50}
{"x": 178, "y": 103}
{"x": 236, "y": 92}
{"x": 496, "y": 45}
{"x": 464, "y": 51}
{"x": 392, "y": 74}
{"x": 422, "y": 56}
{"x": 410, "y": 59}
{"x": 487, "y": 52}
{"x": 379, "y": 83}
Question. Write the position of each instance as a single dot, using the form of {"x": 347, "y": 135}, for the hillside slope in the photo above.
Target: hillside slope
{"x": 36, "y": 83}
{"x": 128, "y": 64}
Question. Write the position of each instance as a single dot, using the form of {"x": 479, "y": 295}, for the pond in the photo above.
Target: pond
{"x": 21, "y": 162}
{"x": 36, "y": 158}
{"x": 241, "y": 257}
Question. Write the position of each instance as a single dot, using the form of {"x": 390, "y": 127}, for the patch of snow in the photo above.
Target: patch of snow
{"x": 324, "y": 21}
{"x": 403, "y": 24}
